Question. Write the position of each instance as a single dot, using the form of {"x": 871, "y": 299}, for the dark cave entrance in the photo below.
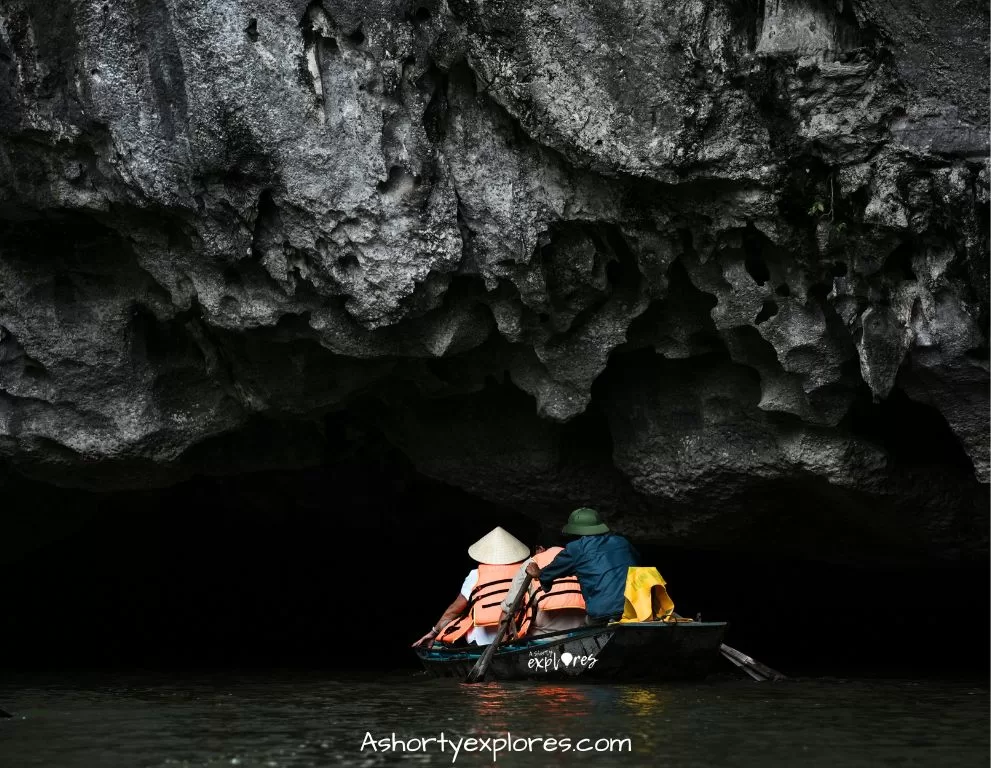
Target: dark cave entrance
{"x": 346, "y": 563}
{"x": 335, "y": 565}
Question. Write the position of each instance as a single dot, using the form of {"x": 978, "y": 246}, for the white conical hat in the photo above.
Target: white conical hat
{"x": 498, "y": 547}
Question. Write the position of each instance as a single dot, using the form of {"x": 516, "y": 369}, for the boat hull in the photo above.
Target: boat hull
{"x": 633, "y": 651}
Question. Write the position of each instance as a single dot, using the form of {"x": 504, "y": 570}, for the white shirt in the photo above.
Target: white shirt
{"x": 477, "y": 635}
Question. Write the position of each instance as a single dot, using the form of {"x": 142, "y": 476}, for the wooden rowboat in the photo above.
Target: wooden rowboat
{"x": 634, "y": 651}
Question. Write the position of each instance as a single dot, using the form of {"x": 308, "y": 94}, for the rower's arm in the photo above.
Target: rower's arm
{"x": 454, "y": 610}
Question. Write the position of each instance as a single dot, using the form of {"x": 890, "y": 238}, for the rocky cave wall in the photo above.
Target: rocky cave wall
{"x": 718, "y": 267}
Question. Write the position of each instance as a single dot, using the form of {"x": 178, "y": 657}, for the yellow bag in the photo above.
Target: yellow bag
{"x": 647, "y": 597}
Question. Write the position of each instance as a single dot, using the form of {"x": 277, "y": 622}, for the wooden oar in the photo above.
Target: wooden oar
{"x": 756, "y": 670}
{"x": 482, "y": 665}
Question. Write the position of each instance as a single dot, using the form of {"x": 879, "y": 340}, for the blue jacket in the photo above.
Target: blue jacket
{"x": 600, "y": 563}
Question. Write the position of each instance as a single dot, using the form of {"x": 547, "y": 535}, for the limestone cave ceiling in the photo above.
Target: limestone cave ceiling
{"x": 719, "y": 267}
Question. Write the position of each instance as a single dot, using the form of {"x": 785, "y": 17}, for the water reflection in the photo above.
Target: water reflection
{"x": 562, "y": 701}
{"x": 491, "y": 702}
{"x": 308, "y": 721}
{"x": 499, "y": 704}
{"x": 643, "y": 702}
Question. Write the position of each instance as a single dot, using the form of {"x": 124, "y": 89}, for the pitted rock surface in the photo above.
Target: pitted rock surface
{"x": 718, "y": 268}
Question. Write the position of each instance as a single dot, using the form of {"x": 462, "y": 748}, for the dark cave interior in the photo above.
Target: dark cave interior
{"x": 345, "y": 564}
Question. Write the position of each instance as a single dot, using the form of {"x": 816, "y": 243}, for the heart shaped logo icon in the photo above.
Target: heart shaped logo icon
{"x": 566, "y": 658}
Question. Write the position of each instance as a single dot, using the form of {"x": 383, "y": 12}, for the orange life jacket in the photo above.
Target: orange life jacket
{"x": 484, "y": 605}
{"x": 565, "y": 593}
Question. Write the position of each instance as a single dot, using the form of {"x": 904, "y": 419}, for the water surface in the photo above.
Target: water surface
{"x": 282, "y": 720}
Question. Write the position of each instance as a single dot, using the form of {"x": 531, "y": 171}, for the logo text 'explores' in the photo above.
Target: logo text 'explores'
{"x": 547, "y": 661}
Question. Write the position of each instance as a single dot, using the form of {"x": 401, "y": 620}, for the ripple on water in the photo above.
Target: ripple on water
{"x": 284, "y": 721}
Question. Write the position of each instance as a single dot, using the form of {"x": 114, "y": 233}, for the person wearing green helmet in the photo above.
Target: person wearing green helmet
{"x": 599, "y": 558}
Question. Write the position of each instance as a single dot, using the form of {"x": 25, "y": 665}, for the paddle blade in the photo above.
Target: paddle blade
{"x": 4, "y": 713}
{"x": 756, "y": 670}
{"x": 753, "y": 674}
{"x": 477, "y": 673}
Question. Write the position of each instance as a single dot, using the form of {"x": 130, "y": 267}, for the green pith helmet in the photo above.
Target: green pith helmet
{"x": 585, "y": 522}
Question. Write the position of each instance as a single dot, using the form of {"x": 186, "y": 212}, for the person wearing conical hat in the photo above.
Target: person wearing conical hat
{"x": 474, "y": 615}
{"x": 599, "y": 558}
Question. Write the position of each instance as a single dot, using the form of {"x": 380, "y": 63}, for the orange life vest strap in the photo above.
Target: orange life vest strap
{"x": 542, "y": 595}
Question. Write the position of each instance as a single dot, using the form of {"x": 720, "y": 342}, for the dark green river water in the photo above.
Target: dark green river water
{"x": 281, "y": 719}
